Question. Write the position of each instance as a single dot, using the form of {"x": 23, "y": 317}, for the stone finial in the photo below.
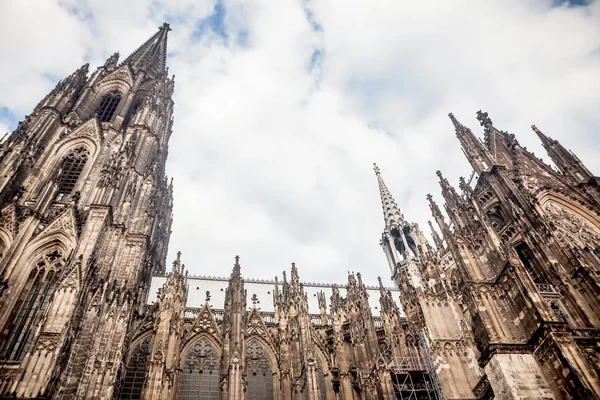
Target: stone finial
{"x": 457, "y": 125}
{"x": 207, "y": 296}
{"x": 484, "y": 119}
{"x": 463, "y": 184}
{"x": 376, "y": 169}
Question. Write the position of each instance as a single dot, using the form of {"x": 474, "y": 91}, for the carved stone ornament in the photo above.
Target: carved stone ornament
{"x": 201, "y": 357}
{"x": 256, "y": 360}
{"x": 572, "y": 229}
{"x": 47, "y": 342}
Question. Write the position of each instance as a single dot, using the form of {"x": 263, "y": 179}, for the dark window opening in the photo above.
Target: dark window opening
{"x": 259, "y": 379}
{"x": 132, "y": 110}
{"x": 30, "y": 307}
{"x": 528, "y": 259}
{"x": 71, "y": 168}
{"x": 135, "y": 372}
{"x": 200, "y": 373}
{"x": 411, "y": 243}
{"x": 108, "y": 106}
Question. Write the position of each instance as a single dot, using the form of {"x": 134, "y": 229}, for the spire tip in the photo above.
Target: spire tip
{"x": 376, "y": 169}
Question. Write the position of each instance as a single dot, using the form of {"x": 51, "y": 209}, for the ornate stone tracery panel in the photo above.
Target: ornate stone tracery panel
{"x": 571, "y": 228}
{"x": 200, "y": 373}
{"x": 259, "y": 375}
{"x": 32, "y": 303}
{"x": 137, "y": 368}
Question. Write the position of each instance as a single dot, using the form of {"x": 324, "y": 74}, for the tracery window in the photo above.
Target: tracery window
{"x": 135, "y": 373}
{"x": 70, "y": 170}
{"x": 200, "y": 373}
{"x": 259, "y": 377}
{"x": 108, "y": 106}
{"x": 30, "y": 307}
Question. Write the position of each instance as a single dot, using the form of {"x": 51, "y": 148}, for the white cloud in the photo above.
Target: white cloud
{"x": 272, "y": 159}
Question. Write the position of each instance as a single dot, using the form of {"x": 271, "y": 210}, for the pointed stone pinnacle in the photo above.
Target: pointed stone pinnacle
{"x": 484, "y": 119}
{"x": 457, "y": 125}
{"x": 392, "y": 216}
{"x": 376, "y": 169}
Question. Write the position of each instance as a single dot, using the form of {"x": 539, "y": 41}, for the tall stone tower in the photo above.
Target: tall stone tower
{"x": 418, "y": 271}
{"x": 85, "y": 221}
{"x": 509, "y": 300}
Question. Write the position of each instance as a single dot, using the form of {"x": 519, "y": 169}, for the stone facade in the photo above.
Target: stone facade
{"x": 85, "y": 222}
{"x": 505, "y": 305}
{"x": 508, "y": 300}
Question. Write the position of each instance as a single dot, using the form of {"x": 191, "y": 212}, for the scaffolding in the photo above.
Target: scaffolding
{"x": 414, "y": 377}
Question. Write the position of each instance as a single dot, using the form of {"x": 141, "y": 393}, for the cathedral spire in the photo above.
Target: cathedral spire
{"x": 474, "y": 150}
{"x": 436, "y": 238}
{"x": 151, "y": 56}
{"x": 391, "y": 212}
{"x": 566, "y": 162}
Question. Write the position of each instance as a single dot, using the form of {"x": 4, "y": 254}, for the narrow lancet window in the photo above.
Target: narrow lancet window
{"x": 135, "y": 373}
{"x": 71, "y": 168}
{"x": 200, "y": 373}
{"x": 259, "y": 376}
{"x": 108, "y": 106}
{"x": 30, "y": 307}
{"x": 529, "y": 261}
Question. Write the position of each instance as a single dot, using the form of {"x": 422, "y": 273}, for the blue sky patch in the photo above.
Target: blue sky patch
{"x": 9, "y": 118}
{"x": 215, "y": 22}
{"x": 241, "y": 38}
{"x": 315, "y": 58}
{"x": 571, "y": 3}
{"x": 311, "y": 18}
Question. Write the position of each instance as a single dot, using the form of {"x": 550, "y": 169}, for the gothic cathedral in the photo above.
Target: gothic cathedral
{"x": 504, "y": 305}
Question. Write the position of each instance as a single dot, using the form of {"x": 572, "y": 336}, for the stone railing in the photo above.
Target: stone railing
{"x": 544, "y": 288}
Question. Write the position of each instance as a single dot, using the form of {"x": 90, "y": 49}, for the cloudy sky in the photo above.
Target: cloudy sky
{"x": 282, "y": 107}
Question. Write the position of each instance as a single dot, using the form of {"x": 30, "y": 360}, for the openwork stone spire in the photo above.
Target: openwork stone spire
{"x": 151, "y": 57}
{"x": 391, "y": 212}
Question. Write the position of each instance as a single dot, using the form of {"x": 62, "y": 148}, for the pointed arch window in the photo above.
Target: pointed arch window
{"x": 530, "y": 262}
{"x": 70, "y": 170}
{"x": 30, "y": 307}
{"x": 108, "y": 106}
{"x": 200, "y": 373}
{"x": 135, "y": 373}
{"x": 319, "y": 376}
{"x": 259, "y": 378}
